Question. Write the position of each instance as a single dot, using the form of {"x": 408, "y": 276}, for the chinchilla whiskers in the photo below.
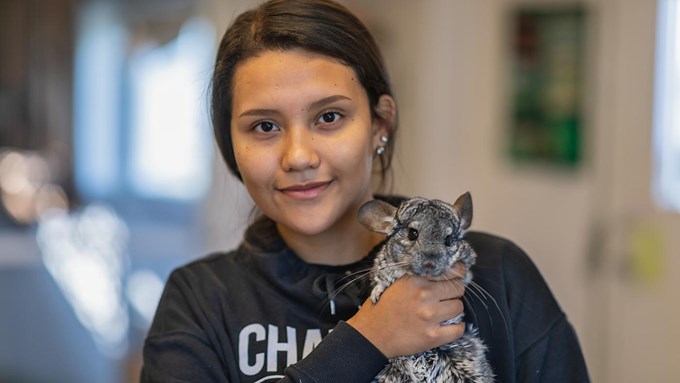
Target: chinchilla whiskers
{"x": 401, "y": 265}
{"x": 456, "y": 274}
{"x": 478, "y": 290}
{"x": 485, "y": 294}
{"x": 395, "y": 265}
{"x": 365, "y": 274}
{"x": 472, "y": 293}
{"x": 468, "y": 303}
{"x": 466, "y": 300}
{"x": 355, "y": 276}
{"x": 455, "y": 282}
{"x": 472, "y": 289}
{"x": 351, "y": 279}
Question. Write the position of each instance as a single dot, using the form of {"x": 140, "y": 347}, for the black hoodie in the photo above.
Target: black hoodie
{"x": 262, "y": 314}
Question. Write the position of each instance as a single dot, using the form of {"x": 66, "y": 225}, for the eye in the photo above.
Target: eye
{"x": 448, "y": 241}
{"x": 329, "y": 118}
{"x": 412, "y": 234}
{"x": 265, "y": 127}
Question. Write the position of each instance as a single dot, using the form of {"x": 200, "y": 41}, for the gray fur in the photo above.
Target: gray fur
{"x": 439, "y": 244}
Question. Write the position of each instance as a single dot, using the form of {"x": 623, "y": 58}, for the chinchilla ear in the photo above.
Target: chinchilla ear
{"x": 378, "y": 216}
{"x": 463, "y": 207}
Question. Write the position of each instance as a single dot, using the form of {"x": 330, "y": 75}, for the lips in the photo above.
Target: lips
{"x": 305, "y": 191}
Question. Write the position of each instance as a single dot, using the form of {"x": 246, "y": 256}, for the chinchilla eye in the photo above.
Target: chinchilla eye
{"x": 412, "y": 234}
{"x": 448, "y": 241}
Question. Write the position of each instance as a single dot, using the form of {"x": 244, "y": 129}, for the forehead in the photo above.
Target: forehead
{"x": 426, "y": 210}
{"x": 275, "y": 73}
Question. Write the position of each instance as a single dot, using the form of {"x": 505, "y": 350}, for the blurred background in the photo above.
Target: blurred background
{"x": 561, "y": 117}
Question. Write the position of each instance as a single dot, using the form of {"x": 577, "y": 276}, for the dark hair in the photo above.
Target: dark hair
{"x": 319, "y": 26}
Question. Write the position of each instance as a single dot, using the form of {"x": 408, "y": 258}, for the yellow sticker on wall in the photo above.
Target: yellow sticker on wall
{"x": 647, "y": 260}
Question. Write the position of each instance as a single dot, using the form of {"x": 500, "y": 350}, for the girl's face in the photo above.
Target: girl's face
{"x": 304, "y": 139}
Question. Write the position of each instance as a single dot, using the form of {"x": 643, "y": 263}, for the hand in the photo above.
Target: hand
{"x": 407, "y": 318}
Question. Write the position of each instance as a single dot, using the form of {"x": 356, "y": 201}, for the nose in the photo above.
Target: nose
{"x": 429, "y": 264}
{"x": 299, "y": 151}
{"x": 433, "y": 255}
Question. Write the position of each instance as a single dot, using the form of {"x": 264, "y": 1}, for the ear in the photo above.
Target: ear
{"x": 463, "y": 207}
{"x": 386, "y": 110}
{"x": 378, "y": 216}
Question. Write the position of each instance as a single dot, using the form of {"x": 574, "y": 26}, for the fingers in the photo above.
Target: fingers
{"x": 409, "y": 315}
{"x": 447, "y": 289}
{"x": 432, "y": 318}
{"x": 451, "y": 332}
{"x": 453, "y": 308}
{"x": 451, "y": 282}
{"x": 442, "y": 312}
{"x": 443, "y": 296}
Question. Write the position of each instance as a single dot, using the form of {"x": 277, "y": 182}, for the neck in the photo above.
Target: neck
{"x": 346, "y": 243}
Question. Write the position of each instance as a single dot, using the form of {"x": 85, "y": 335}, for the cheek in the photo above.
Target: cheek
{"x": 253, "y": 163}
{"x": 352, "y": 151}
{"x": 348, "y": 157}
{"x": 241, "y": 155}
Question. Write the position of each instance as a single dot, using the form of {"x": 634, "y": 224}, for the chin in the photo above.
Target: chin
{"x": 311, "y": 221}
{"x": 310, "y": 227}
{"x": 312, "y": 218}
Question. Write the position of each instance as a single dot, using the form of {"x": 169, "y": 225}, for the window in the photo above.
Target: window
{"x": 667, "y": 107}
{"x": 169, "y": 146}
{"x": 142, "y": 164}
{"x": 141, "y": 126}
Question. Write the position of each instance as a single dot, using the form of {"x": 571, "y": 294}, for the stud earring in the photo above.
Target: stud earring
{"x": 381, "y": 149}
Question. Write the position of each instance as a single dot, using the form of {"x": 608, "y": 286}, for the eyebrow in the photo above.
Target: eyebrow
{"x": 328, "y": 100}
{"x": 314, "y": 105}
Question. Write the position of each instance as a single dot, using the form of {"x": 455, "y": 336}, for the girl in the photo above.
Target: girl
{"x": 304, "y": 116}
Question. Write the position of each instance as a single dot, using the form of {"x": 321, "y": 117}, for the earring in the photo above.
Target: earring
{"x": 381, "y": 149}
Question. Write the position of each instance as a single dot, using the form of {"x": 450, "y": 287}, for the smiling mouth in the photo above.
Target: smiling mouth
{"x": 305, "y": 191}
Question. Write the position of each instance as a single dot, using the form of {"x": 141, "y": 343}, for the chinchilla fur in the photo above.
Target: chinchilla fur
{"x": 426, "y": 237}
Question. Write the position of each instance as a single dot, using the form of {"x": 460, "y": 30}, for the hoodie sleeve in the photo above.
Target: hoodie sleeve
{"x": 343, "y": 356}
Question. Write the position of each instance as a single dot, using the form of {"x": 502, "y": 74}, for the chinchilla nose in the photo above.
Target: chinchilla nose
{"x": 432, "y": 255}
{"x": 433, "y": 258}
{"x": 433, "y": 251}
{"x": 430, "y": 263}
